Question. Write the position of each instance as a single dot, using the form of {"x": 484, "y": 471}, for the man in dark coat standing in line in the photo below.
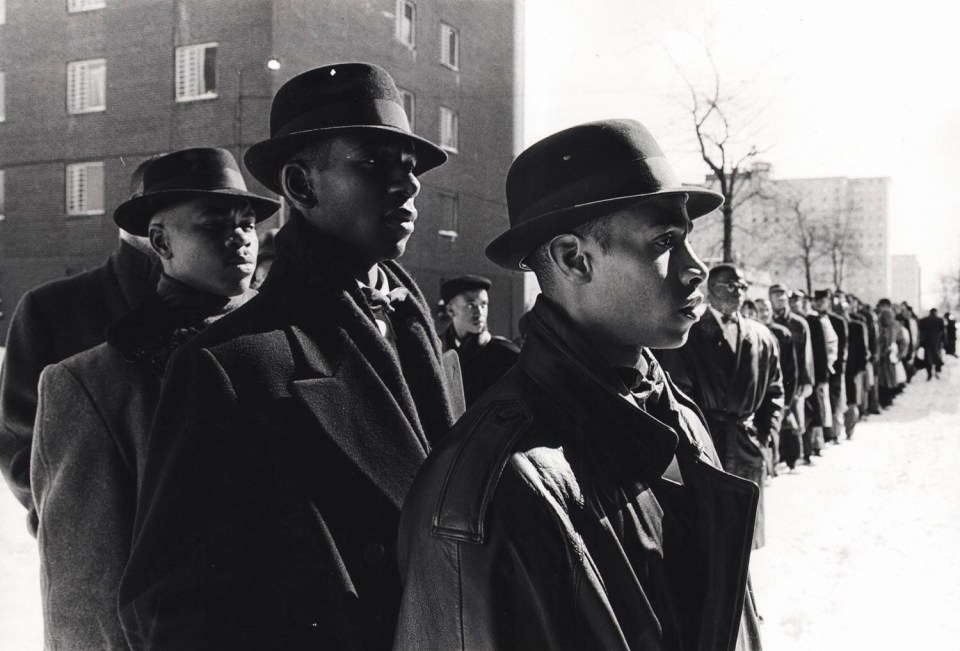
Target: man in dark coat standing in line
{"x": 823, "y": 340}
{"x": 950, "y": 346}
{"x": 95, "y": 408}
{"x": 791, "y": 440}
{"x": 730, "y": 366}
{"x": 857, "y": 360}
{"x": 789, "y": 368}
{"x": 931, "y": 340}
{"x": 579, "y": 504}
{"x": 53, "y": 322}
{"x": 824, "y": 305}
{"x": 288, "y": 432}
{"x": 484, "y": 357}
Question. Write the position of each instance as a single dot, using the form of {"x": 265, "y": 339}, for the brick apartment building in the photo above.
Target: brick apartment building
{"x": 90, "y": 88}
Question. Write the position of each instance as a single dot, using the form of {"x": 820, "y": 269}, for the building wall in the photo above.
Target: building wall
{"x": 767, "y": 235}
{"x": 38, "y": 242}
{"x": 905, "y": 280}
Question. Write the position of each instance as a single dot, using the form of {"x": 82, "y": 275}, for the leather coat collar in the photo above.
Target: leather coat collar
{"x": 587, "y": 391}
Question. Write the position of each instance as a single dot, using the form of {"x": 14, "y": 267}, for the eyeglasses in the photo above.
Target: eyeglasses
{"x": 736, "y": 285}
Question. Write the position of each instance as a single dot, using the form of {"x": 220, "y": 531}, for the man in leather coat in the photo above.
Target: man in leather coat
{"x": 580, "y": 504}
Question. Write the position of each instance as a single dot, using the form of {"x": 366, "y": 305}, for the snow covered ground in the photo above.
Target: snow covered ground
{"x": 863, "y": 549}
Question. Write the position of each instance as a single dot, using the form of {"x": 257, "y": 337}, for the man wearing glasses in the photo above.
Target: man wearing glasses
{"x": 730, "y": 366}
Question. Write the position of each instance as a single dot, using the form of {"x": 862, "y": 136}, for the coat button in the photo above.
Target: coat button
{"x": 373, "y": 553}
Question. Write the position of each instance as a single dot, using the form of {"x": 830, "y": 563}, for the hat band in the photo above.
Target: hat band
{"x": 643, "y": 176}
{"x": 369, "y": 112}
{"x": 221, "y": 179}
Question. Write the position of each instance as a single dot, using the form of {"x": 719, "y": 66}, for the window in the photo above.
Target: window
{"x": 449, "y": 46}
{"x": 406, "y": 22}
{"x": 449, "y": 215}
{"x": 196, "y": 76}
{"x": 76, "y": 6}
{"x": 87, "y": 86}
{"x": 409, "y": 102}
{"x": 3, "y": 97}
{"x": 449, "y": 129}
{"x": 3, "y": 195}
{"x": 85, "y": 189}
{"x": 3, "y": 12}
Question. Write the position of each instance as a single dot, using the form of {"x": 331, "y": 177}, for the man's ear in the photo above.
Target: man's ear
{"x": 159, "y": 241}
{"x": 571, "y": 259}
{"x": 295, "y": 183}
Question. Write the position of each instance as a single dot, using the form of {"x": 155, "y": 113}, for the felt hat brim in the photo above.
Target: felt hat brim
{"x": 265, "y": 158}
{"x": 511, "y": 247}
{"x": 134, "y": 214}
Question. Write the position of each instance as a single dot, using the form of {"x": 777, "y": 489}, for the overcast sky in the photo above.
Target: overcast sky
{"x": 828, "y": 87}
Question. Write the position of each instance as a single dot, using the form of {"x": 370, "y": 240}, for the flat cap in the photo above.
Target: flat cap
{"x": 460, "y": 284}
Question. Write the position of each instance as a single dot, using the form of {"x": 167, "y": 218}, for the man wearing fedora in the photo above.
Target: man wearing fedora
{"x": 95, "y": 408}
{"x": 791, "y": 429}
{"x": 288, "y": 432}
{"x": 53, "y": 322}
{"x": 484, "y": 358}
{"x": 579, "y": 503}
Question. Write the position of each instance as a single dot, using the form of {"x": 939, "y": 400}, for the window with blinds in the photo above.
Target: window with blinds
{"x": 84, "y": 189}
{"x": 87, "y": 86}
{"x": 406, "y": 31}
{"x": 409, "y": 101}
{"x": 196, "y": 72}
{"x": 449, "y": 129}
{"x": 449, "y": 46}
{"x": 76, "y": 6}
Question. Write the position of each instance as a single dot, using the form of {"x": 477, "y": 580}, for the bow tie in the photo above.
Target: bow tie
{"x": 378, "y": 301}
{"x": 729, "y": 318}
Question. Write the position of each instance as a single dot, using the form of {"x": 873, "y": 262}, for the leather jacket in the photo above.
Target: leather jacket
{"x": 538, "y": 521}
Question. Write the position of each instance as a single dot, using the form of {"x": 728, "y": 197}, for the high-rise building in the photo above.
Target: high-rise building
{"x": 905, "y": 281}
{"x": 808, "y": 233}
{"x": 90, "y": 88}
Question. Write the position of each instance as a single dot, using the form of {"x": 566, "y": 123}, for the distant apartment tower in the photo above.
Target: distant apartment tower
{"x": 808, "y": 233}
{"x": 90, "y": 88}
{"x": 905, "y": 280}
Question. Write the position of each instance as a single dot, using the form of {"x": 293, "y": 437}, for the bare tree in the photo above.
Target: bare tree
{"x": 841, "y": 239}
{"x": 950, "y": 291}
{"x": 802, "y": 230}
{"x": 730, "y": 162}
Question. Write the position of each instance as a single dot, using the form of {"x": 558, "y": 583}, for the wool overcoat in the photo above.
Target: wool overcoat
{"x": 51, "y": 323}
{"x": 543, "y": 520}
{"x": 285, "y": 441}
{"x": 740, "y": 392}
{"x": 94, "y": 413}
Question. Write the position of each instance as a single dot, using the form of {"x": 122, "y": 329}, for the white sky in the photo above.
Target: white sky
{"x": 828, "y": 87}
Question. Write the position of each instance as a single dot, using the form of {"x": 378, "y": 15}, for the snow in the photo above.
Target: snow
{"x": 863, "y": 549}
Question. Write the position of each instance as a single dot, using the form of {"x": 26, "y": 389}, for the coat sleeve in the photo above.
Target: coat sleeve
{"x": 770, "y": 413}
{"x": 84, "y": 494}
{"x": 29, "y": 349}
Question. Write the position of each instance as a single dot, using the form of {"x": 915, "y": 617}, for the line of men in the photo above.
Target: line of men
{"x": 296, "y": 468}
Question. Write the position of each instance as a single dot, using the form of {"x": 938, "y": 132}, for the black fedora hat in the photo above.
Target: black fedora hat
{"x": 187, "y": 174}
{"x": 582, "y": 173}
{"x": 329, "y": 100}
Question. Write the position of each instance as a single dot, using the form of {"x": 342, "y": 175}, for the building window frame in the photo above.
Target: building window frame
{"x": 80, "y": 6}
{"x": 3, "y": 195}
{"x": 3, "y": 96}
{"x": 450, "y": 213}
{"x": 84, "y": 189}
{"x": 409, "y": 102}
{"x": 405, "y": 29}
{"x": 449, "y": 46}
{"x": 87, "y": 86}
{"x": 449, "y": 129}
{"x": 3, "y": 12}
{"x": 193, "y": 68}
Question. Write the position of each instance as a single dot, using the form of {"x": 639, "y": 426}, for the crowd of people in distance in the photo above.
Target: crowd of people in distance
{"x": 230, "y": 442}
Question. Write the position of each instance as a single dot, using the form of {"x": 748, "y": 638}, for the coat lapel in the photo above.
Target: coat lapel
{"x": 358, "y": 413}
